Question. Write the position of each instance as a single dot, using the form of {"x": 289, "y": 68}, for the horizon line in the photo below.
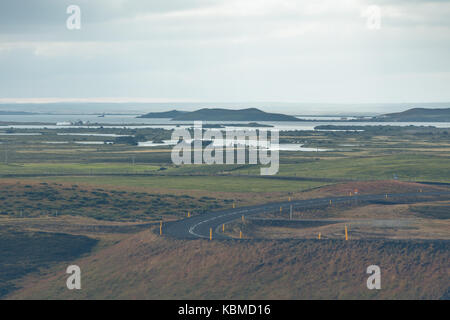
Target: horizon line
{"x": 52, "y": 100}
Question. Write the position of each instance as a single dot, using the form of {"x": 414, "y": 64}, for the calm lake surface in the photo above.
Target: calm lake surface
{"x": 119, "y": 121}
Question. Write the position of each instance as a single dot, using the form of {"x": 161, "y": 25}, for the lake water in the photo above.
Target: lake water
{"x": 250, "y": 143}
{"x": 20, "y": 134}
{"x": 94, "y": 134}
{"x": 130, "y": 121}
{"x": 119, "y": 121}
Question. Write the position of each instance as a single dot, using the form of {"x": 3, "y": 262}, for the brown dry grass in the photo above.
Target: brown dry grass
{"x": 377, "y": 187}
{"x": 410, "y": 229}
{"x": 373, "y": 221}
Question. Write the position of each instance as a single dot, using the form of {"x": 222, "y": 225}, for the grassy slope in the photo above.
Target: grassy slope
{"x": 146, "y": 266}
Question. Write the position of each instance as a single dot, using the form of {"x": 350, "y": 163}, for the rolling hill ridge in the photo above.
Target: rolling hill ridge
{"x": 146, "y": 266}
{"x": 206, "y": 114}
{"x": 418, "y": 114}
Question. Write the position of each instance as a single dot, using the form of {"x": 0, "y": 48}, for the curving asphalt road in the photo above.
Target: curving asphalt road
{"x": 199, "y": 226}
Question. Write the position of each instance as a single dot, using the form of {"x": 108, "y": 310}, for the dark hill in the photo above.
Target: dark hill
{"x": 251, "y": 114}
{"x": 168, "y": 114}
{"x": 418, "y": 114}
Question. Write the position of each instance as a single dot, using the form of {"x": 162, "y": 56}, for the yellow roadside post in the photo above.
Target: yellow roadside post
{"x": 223, "y": 228}
{"x": 210, "y": 234}
{"x": 240, "y": 234}
{"x": 160, "y": 228}
{"x": 243, "y": 218}
{"x": 189, "y": 214}
{"x": 346, "y": 233}
{"x": 320, "y": 235}
{"x": 281, "y": 209}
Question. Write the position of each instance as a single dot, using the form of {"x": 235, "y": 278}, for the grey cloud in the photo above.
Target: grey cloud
{"x": 289, "y": 55}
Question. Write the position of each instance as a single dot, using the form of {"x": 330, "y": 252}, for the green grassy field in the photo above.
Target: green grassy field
{"x": 76, "y": 168}
{"x": 408, "y": 167}
{"x": 202, "y": 183}
{"x": 414, "y": 154}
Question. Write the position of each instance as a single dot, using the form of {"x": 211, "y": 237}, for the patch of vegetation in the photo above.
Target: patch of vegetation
{"x": 42, "y": 199}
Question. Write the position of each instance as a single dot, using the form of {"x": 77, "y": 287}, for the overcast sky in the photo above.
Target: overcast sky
{"x": 225, "y": 50}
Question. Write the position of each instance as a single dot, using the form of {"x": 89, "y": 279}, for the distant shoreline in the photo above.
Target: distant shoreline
{"x": 241, "y": 124}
